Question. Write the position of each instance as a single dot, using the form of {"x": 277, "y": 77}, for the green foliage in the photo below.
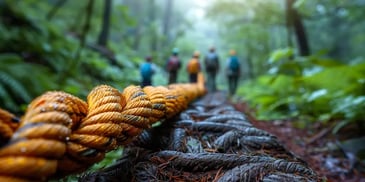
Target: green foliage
{"x": 39, "y": 52}
{"x": 110, "y": 158}
{"x": 20, "y": 81}
{"x": 324, "y": 16}
{"x": 253, "y": 28}
{"x": 311, "y": 88}
{"x": 256, "y": 28}
{"x": 38, "y": 55}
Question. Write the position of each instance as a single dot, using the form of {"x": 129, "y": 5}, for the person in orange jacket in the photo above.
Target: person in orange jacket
{"x": 193, "y": 67}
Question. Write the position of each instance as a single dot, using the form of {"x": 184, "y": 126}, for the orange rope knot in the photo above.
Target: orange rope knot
{"x": 158, "y": 105}
{"x": 61, "y": 134}
{"x": 40, "y": 140}
{"x": 8, "y": 124}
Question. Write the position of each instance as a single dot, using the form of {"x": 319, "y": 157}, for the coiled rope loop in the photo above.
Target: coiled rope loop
{"x": 61, "y": 134}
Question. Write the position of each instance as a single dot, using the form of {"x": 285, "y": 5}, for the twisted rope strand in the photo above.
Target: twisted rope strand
{"x": 61, "y": 134}
{"x": 8, "y": 124}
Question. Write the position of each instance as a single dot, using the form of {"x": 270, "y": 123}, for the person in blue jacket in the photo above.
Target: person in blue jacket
{"x": 147, "y": 70}
{"x": 233, "y": 70}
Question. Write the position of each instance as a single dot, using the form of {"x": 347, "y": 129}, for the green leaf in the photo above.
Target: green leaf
{"x": 340, "y": 125}
{"x": 14, "y": 86}
{"x": 298, "y": 3}
{"x": 316, "y": 94}
{"x": 281, "y": 54}
{"x": 8, "y": 58}
{"x": 333, "y": 79}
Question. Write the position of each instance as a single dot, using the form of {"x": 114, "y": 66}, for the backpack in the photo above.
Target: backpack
{"x": 193, "y": 66}
{"x": 211, "y": 62}
{"x": 173, "y": 64}
{"x": 146, "y": 70}
{"x": 234, "y": 64}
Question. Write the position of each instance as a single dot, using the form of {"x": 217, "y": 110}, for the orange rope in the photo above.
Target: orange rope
{"x": 8, "y": 124}
{"x": 61, "y": 134}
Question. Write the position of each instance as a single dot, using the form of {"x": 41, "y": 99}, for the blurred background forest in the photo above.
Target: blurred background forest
{"x": 302, "y": 59}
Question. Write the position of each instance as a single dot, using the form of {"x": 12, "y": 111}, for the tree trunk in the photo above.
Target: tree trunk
{"x": 250, "y": 72}
{"x": 136, "y": 6}
{"x": 137, "y": 37}
{"x": 294, "y": 19}
{"x": 133, "y": 33}
{"x": 154, "y": 43}
{"x": 288, "y": 23}
{"x": 103, "y": 36}
{"x": 167, "y": 18}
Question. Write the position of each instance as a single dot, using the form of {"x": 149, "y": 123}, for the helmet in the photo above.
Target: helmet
{"x": 212, "y": 48}
{"x": 196, "y": 54}
{"x": 232, "y": 52}
{"x": 175, "y": 50}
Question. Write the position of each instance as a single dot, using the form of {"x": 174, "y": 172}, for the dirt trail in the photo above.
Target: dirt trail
{"x": 312, "y": 145}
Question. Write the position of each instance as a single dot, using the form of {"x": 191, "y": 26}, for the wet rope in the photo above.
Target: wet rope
{"x": 61, "y": 134}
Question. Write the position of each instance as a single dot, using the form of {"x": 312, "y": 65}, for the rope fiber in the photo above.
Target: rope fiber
{"x": 60, "y": 134}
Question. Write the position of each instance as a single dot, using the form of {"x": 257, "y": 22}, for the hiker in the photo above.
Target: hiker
{"x": 173, "y": 65}
{"x": 233, "y": 72}
{"x": 193, "y": 67}
{"x": 211, "y": 62}
{"x": 147, "y": 70}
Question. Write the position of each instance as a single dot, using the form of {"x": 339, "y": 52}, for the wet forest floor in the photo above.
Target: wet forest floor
{"x": 315, "y": 145}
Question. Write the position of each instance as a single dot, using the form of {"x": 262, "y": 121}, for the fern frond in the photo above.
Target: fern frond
{"x": 14, "y": 86}
{"x": 6, "y": 100}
